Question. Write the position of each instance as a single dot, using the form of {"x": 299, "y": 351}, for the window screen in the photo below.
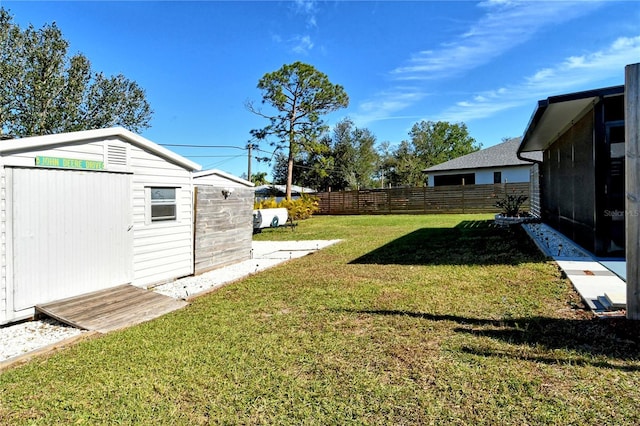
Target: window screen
{"x": 459, "y": 179}
{"x": 163, "y": 204}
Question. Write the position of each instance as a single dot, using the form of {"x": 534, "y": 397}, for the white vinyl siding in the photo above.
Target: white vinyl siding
{"x": 159, "y": 251}
{"x": 3, "y": 246}
{"x": 162, "y": 250}
{"x": 93, "y": 151}
{"x": 71, "y": 233}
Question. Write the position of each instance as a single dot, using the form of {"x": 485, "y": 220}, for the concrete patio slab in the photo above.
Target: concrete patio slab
{"x": 600, "y": 282}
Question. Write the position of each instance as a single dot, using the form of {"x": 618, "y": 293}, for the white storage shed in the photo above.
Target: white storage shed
{"x": 90, "y": 210}
{"x": 218, "y": 178}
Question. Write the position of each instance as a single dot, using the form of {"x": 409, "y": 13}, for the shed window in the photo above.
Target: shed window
{"x": 497, "y": 177}
{"x": 163, "y": 204}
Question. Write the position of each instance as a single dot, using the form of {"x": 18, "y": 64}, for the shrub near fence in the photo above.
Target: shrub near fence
{"x": 429, "y": 199}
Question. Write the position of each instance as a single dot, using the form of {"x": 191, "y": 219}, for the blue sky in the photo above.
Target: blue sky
{"x": 484, "y": 63}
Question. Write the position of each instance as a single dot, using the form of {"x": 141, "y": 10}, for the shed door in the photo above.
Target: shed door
{"x": 71, "y": 233}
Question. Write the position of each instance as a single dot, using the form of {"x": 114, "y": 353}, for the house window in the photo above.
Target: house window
{"x": 497, "y": 177}
{"x": 458, "y": 179}
{"x": 163, "y": 204}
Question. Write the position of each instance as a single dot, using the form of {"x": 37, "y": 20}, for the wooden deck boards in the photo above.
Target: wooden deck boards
{"x": 110, "y": 309}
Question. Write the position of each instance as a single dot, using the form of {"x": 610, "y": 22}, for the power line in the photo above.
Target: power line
{"x": 222, "y": 162}
{"x": 202, "y": 146}
{"x": 215, "y": 146}
{"x": 249, "y": 147}
{"x": 216, "y": 156}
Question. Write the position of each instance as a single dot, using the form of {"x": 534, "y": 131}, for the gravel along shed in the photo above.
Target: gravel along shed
{"x": 87, "y": 211}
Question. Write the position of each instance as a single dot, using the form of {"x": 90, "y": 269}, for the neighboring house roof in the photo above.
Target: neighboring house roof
{"x": 45, "y": 141}
{"x": 216, "y": 172}
{"x": 295, "y": 189}
{"x": 501, "y": 155}
{"x": 552, "y": 115}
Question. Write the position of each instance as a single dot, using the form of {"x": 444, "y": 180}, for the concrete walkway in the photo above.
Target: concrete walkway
{"x": 264, "y": 255}
{"x": 600, "y": 288}
{"x": 599, "y": 282}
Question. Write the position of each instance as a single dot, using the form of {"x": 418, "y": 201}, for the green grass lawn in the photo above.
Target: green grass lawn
{"x": 409, "y": 320}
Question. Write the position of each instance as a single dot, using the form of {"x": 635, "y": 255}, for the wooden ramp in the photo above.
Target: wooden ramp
{"x": 110, "y": 309}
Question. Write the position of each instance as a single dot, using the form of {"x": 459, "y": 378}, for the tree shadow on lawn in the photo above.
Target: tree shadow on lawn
{"x": 617, "y": 339}
{"x": 468, "y": 243}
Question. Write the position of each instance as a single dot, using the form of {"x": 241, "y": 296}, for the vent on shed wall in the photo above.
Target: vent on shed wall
{"x": 117, "y": 155}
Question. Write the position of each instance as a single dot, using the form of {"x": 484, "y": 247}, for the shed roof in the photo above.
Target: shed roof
{"x": 216, "y": 172}
{"x": 501, "y": 155}
{"x": 45, "y": 141}
{"x": 554, "y": 115}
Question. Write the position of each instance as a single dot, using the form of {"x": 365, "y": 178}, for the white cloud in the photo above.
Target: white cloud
{"x": 302, "y": 44}
{"x": 384, "y": 105}
{"x": 307, "y": 8}
{"x": 298, "y": 44}
{"x": 588, "y": 71}
{"x": 276, "y": 38}
{"x": 505, "y": 24}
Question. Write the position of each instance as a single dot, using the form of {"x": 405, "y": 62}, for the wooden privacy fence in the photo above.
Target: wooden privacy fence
{"x": 223, "y": 228}
{"x": 428, "y": 199}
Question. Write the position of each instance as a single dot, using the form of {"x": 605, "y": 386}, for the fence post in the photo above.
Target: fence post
{"x": 463, "y": 185}
{"x": 424, "y": 198}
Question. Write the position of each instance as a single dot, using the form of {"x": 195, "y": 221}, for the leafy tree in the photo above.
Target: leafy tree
{"x": 386, "y": 164}
{"x": 310, "y": 169}
{"x": 300, "y": 94}
{"x": 344, "y": 159}
{"x": 280, "y": 169}
{"x": 356, "y": 160}
{"x": 405, "y": 167}
{"x": 44, "y": 91}
{"x": 437, "y": 142}
{"x": 430, "y": 143}
{"x": 259, "y": 178}
{"x": 316, "y": 167}
{"x": 344, "y": 152}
